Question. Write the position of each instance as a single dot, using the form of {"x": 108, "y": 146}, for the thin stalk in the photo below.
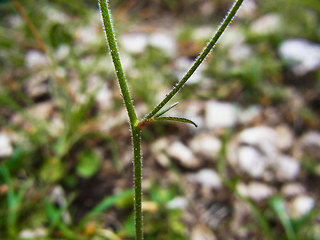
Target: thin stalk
{"x": 137, "y": 165}
{"x": 198, "y": 61}
{"x": 262, "y": 222}
{"x": 134, "y": 123}
{"x": 136, "y": 132}
{"x": 106, "y": 17}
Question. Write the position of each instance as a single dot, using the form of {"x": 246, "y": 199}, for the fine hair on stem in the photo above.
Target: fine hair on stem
{"x": 155, "y": 114}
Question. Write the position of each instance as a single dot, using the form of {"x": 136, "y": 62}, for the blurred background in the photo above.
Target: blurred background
{"x": 251, "y": 170}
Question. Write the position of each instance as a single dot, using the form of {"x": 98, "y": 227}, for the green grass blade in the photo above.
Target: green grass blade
{"x": 106, "y": 203}
{"x": 278, "y": 206}
{"x": 166, "y": 110}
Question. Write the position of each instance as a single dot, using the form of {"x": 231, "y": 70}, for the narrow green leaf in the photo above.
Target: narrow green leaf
{"x": 111, "y": 200}
{"x": 206, "y": 50}
{"x": 106, "y": 203}
{"x": 176, "y": 119}
{"x": 167, "y": 109}
{"x": 278, "y": 206}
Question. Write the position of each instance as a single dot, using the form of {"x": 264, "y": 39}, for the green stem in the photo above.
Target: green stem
{"x": 136, "y": 133}
{"x": 134, "y": 123}
{"x": 137, "y": 163}
{"x": 106, "y": 17}
{"x": 199, "y": 59}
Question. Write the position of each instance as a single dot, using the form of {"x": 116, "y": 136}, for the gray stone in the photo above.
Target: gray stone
{"x": 266, "y": 25}
{"x": 207, "y": 178}
{"x": 257, "y": 136}
{"x": 33, "y": 233}
{"x": 285, "y": 137}
{"x": 251, "y": 161}
{"x": 220, "y": 115}
{"x": 263, "y": 138}
{"x": 178, "y": 203}
{"x": 240, "y": 52}
{"x": 248, "y": 115}
{"x": 104, "y": 97}
{"x": 308, "y": 145}
{"x": 62, "y": 52}
{"x": 179, "y": 151}
{"x": 202, "y": 232}
{"x": 158, "y": 150}
{"x": 88, "y": 35}
{"x": 134, "y": 42}
{"x": 231, "y": 37}
{"x": 36, "y": 59}
{"x": 6, "y": 149}
{"x": 300, "y": 206}
{"x": 311, "y": 138}
{"x": 206, "y": 145}
{"x": 302, "y": 55}
{"x": 56, "y": 126}
{"x": 247, "y": 10}
{"x": 293, "y": 189}
{"x": 286, "y": 168}
{"x": 37, "y": 85}
{"x": 165, "y": 42}
{"x": 255, "y": 190}
{"x": 202, "y": 33}
{"x": 57, "y": 196}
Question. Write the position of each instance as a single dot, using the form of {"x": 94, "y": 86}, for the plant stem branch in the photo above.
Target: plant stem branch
{"x": 199, "y": 59}
{"x": 106, "y": 17}
{"x": 136, "y": 132}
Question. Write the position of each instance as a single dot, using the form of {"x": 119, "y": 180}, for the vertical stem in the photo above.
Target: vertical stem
{"x": 137, "y": 163}
{"x": 228, "y": 19}
{"x": 136, "y": 133}
{"x": 111, "y": 39}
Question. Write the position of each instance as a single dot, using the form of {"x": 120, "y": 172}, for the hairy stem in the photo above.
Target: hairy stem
{"x": 106, "y": 17}
{"x": 134, "y": 123}
{"x": 199, "y": 59}
{"x": 136, "y": 132}
{"x": 137, "y": 163}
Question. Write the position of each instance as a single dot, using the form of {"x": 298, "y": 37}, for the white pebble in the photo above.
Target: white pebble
{"x": 220, "y": 114}
{"x": 163, "y": 41}
{"x": 5, "y": 146}
{"x": 255, "y": 190}
{"x": 286, "y": 168}
{"x": 183, "y": 154}
{"x": 302, "y": 55}
{"x": 35, "y": 59}
{"x": 178, "y": 203}
{"x": 206, "y": 145}
{"x": 134, "y": 42}
{"x": 252, "y": 162}
{"x": 292, "y": 189}
{"x": 207, "y": 178}
{"x": 301, "y": 205}
{"x": 257, "y": 136}
{"x": 266, "y": 25}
